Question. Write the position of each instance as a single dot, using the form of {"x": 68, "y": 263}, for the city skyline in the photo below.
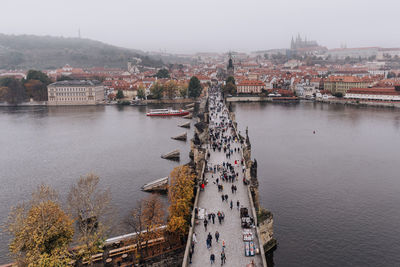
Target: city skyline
{"x": 178, "y": 26}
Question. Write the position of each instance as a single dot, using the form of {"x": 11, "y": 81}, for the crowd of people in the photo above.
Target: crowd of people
{"x": 223, "y": 139}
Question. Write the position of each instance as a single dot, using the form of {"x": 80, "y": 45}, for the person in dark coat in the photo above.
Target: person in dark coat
{"x": 190, "y": 256}
{"x": 223, "y": 258}
{"x": 216, "y": 236}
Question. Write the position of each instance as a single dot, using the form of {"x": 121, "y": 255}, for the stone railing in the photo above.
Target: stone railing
{"x": 185, "y": 262}
{"x": 253, "y": 210}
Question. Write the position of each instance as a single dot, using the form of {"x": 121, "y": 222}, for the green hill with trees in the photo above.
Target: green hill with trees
{"x": 47, "y": 52}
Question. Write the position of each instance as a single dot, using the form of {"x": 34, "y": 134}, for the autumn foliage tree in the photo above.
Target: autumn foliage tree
{"x": 36, "y": 85}
{"x": 157, "y": 90}
{"x": 41, "y": 231}
{"x": 141, "y": 94}
{"x": 230, "y": 86}
{"x": 14, "y": 92}
{"x": 182, "y": 89}
{"x": 180, "y": 194}
{"x": 36, "y": 90}
{"x": 170, "y": 89}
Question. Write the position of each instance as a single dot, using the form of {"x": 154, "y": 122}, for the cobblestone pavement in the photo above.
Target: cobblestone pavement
{"x": 230, "y": 230}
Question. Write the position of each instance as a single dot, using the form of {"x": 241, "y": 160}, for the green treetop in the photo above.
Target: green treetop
{"x": 194, "y": 87}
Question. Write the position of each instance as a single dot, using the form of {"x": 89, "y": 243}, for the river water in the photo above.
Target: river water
{"x": 335, "y": 194}
{"x": 56, "y": 145}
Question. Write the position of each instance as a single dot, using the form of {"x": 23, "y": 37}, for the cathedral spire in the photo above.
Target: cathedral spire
{"x": 292, "y": 43}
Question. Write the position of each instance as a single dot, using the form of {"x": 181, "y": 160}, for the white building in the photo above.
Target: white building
{"x": 375, "y": 93}
{"x": 75, "y": 93}
{"x": 362, "y": 52}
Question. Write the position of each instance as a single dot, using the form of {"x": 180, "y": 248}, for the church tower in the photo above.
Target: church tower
{"x": 292, "y": 46}
{"x": 230, "y": 68}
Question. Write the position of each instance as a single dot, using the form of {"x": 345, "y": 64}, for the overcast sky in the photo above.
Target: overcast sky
{"x": 208, "y": 25}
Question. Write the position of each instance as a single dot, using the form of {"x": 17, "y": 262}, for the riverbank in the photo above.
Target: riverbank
{"x": 171, "y": 101}
{"x": 25, "y": 104}
{"x": 261, "y": 99}
{"x": 343, "y": 101}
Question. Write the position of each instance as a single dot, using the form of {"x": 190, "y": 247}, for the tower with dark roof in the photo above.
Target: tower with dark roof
{"x": 230, "y": 68}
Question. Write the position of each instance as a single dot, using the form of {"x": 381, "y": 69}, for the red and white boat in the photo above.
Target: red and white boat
{"x": 167, "y": 112}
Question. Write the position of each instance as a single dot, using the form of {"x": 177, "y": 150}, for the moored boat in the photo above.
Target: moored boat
{"x": 167, "y": 112}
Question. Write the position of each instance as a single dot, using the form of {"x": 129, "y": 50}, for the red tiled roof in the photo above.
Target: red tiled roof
{"x": 347, "y": 79}
{"x": 251, "y": 83}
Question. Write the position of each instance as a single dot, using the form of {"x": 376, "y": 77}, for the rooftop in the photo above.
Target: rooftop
{"x": 76, "y": 83}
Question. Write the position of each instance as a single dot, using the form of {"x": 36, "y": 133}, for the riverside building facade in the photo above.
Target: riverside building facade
{"x": 75, "y": 92}
{"x": 374, "y": 93}
{"x": 341, "y": 84}
{"x": 250, "y": 87}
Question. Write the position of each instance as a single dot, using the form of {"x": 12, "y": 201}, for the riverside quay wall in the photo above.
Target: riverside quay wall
{"x": 360, "y": 103}
{"x": 264, "y": 220}
{"x": 255, "y": 98}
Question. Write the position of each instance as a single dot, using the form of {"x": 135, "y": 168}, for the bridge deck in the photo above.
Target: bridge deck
{"x": 230, "y": 230}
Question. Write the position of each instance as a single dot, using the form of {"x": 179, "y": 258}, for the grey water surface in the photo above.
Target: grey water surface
{"x": 335, "y": 194}
{"x": 56, "y": 145}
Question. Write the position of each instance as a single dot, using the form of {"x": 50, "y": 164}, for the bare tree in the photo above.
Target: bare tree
{"x": 89, "y": 206}
{"x": 145, "y": 220}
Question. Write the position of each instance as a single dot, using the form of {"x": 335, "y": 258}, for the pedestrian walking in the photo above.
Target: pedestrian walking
{"x": 205, "y": 224}
{"x": 231, "y": 204}
{"x": 216, "y": 236}
{"x": 237, "y": 204}
{"x": 223, "y": 258}
{"x": 192, "y": 246}
{"x": 213, "y": 218}
{"x": 212, "y": 258}
{"x": 190, "y": 256}
{"x": 194, "y": 238}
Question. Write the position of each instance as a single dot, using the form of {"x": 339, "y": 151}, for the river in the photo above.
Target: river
{"x": 57, "y": 145}
{"x": 335, "y": 194}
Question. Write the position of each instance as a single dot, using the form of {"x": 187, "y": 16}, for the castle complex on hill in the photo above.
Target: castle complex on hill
{"x": 300, "y": 43}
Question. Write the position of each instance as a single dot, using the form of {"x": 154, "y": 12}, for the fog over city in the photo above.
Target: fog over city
{"x": 186, "y": 26}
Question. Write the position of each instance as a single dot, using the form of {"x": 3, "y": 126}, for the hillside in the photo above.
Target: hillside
{"x": 46, "y": 52}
